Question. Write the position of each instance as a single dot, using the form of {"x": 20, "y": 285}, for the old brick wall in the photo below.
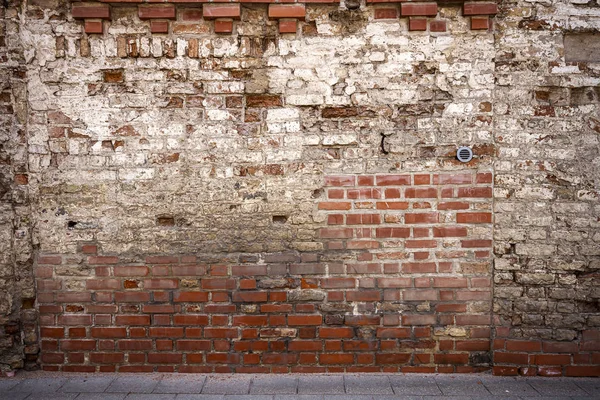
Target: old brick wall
{"x": 18, "y": 331}
{"x": 547, "y": 176}
{"x": 214, "y": 192}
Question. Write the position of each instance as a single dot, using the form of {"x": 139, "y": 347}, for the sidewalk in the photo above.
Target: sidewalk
{"x": 62, "y": 386}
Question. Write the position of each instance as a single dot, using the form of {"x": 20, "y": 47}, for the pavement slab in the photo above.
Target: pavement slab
{"x": 227, "y": 384}
{"x": 471, "y": 386}
{"x": 368, "y": 384}
{"x": 150, "y": 396}
{"x": 321, "y": 384}
{"x": 511, "y": 387}
{"x": 134, "y": 384}
{"x": 556, "y": 387}
{"x": 180, "y": 384}
{"x": 40, "y": 385}
{"x": 101, "y": 396}
{"x": 90, "y": 384}
{"x": 415, "y": 385}
{"x": 274, "y": 385}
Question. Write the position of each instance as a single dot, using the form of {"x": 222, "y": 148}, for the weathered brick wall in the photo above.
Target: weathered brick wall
{"x": 547, "y": 180}
{"x": 213, "y": 192}
{"x": 18, "y": 330}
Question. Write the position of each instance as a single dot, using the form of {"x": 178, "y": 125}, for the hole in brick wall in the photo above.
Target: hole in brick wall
{"x": 165, "y": 221}
{"x": 28, "y": 303}
{"x": 280, "y": 219}
{"x": 582, "y": 47}
{"x": 72, "y": 224}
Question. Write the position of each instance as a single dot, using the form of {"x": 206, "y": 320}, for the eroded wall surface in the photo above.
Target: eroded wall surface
{"x": 18, "y": 318}
{"x": 263, "y": 201}
{"x": 546, "y": 114}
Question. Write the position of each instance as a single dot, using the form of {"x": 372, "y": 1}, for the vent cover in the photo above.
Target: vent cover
{"x": 464, "y": 154}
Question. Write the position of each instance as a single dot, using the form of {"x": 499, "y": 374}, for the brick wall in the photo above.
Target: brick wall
{"x": 261, "y": 188}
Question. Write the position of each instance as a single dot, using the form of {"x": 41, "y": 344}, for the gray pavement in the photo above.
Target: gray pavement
{"x": 61, "y": 386}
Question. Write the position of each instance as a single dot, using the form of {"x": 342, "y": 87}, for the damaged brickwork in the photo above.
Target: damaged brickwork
{"x": 273, "y": 188}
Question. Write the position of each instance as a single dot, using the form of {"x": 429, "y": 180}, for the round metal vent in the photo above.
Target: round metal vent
{"x": 464, "y": 154}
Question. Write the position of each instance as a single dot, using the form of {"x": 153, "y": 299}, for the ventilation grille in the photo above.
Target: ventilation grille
{"x": 464, "y": 154}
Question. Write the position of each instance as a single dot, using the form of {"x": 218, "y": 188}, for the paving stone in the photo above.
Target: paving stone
{"x": 510, "y": 388}
{"x": 199, "y": 397}
{"x": 87, "y": 384}
{"x": 134, "y": 384}
{"x": 368, "y": 384}
{"x": 470, "y": 386}
{"x": 556, "y": 387}
{"x": 591, "y": 386}
{"x": 52, "y": 396}
{"x": 349, "y": 397}
{"x": 150, "y": 396}
{"x": 101, "y": 396}
{"x": 40, "y": 385}
{"x": 248, "y": 397}
{"x": 414, "y": 385}
{"x": 14, "y": 395}
{"x": 298, "y": 397}
{"x": 227, "y": 385}
{"x": 321, "y": 385}
{"x": 7, "y": 384}
{"x": 274, "y": 385}
{"x": 176, "y": 384}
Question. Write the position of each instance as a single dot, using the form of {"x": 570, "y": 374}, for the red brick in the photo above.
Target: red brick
{"x": 393, "y": 282}
{"x": 450, "y": 282}
{"x": 53, "y": 358}
{"x": 336, "y": 233}
{"x": 386, "y": 13}
{"x": 249, "y": 297}
{"x": 109, "y": 332}
{"x": 421, "y": 218}
{"x": 419, "y": 244}
{"x": 91, "y": 11}
{"x": 335, "y": 283}
{"x": 393, "y": 333}
{"x": 366, "y": 180}
{"x": 131, "y": 271}
{"x": 298, "y": 320}
{"x": 250, "y": 320}
{"x": 160, "y": 308}
{"x": 363, "y": 219}
{"x": 288, "y": 26}
{"x": 132, "y": 297}
{"x": 588, "y": 370}
{"x": 480, "y": 23}
{"x": 132, "y": 320}
{"x": 49, "y": 332}
{"x": 418, "y": 319}
{"x": 150, "y": 284}
{"x": 368, "y": 193}
{"x": 392, "y": 358}
{"x": 223, "y": 25}
{"x": 190, "y": 297}
{"x": 103, "y": 260}
{"x": 552, "y": 359}
{"x": 420, "y": 193}
{"x": 223, "y": 358}
{"x": 393, "y": 180}
{"x": 287, "y": 11}
{"x": 218, "y": 284}
{"x": 449, "y": 231}
{"x": 334, "y": 205}
{"x": 462, "y": 358}
{"x": 560, "y": 347}
{"x": 221, "y": 333}
{"x": 413, "y": 268}
{"x": 166, "y": 11}
{"x": 480, "y": 8}
{"x": 188, "y": 270}
{"x": 190, "y": 319}
{"x": 332, "y": 359}
{"x": 453, "y": 205}
{"x": 70, "y": 345}
{"x": 524, "y": 345}
{"x": 475, "y": 243}
{"x": 418, "y": 9}
{"x": 107, "y": 358}
{"x": 71, "y": 320}
{"x": 90, "y": 27}
{"x": 169, "y": 332}
{"x": 511, "y": 358}
{"x": 437, "y": 26}
{"x": 165, "y": 358}
{"x": 305, "y": 345}
{"x": 159, "y": 26}
{"x": 367, "y": 295}
{"x": 474, "y": 218}
{"x": 340, "y": 181}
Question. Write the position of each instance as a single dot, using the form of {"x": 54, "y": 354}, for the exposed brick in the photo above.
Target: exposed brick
{"x": 418, "y": 9}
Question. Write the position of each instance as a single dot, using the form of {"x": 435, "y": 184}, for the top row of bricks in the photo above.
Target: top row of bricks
{"x": 417, "y": 179}
{"x": 224, "y": 10}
